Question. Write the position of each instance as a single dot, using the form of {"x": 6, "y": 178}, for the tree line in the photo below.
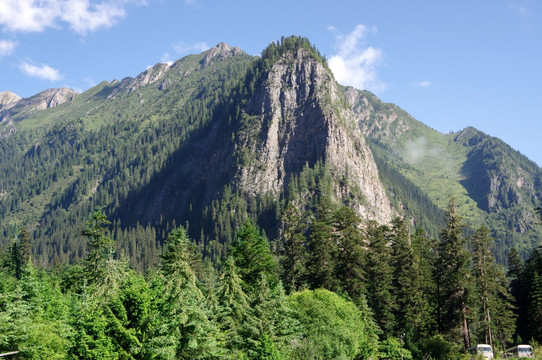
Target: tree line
{"x": 331, "y": 287}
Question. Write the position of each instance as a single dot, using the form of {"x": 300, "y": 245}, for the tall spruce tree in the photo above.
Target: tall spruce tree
{"x": 294, "y": 253}
{"x": 323, "y": 248}
{"x": 454, "y": 279}
{"x": 412, "y": 308}
{"x": 253, "y": 258}
{"x": 184, "y": 329}
{"x": 233, "y": 305}
{"x": 351, "y": 253}
{"x": 534, "y": 309}
{"x": 100, "y": 247}
{"x": 496, "y": 316}
{"x": 21, "y": 252}
{"x": 380, "y": 296}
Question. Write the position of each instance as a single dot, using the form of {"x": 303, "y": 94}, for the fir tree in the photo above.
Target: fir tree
{"x": 252, "y": 255}
{"x": 492, "y": 291}
{"x": 380, "y": 296}
{"x": 412, "y": 308}
{"x": 454, "y": 279}
{"x": 100, "y": 247}
{"x": 323, "y": 249}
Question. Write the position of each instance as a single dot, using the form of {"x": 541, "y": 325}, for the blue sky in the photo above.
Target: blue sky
{"x": 450, "y": 64}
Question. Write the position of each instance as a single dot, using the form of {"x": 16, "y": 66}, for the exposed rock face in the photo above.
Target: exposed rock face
{"x": 44, "y": 100}
{"x": 147, "y": 77}
{"x": 7, "y": 97}
{"x": 220, "y": 52}
{"x": 375, "y": 118}
{"x": 300, "y": 116}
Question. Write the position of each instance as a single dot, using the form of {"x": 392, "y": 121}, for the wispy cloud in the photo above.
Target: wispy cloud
{"x": 42, "y": 72}
{"x": 7, "y": 47}
{"x": 183, "y": 48}
{"x": 355, "y": 63}
{"x": 82, "y": 16}
{"x": 422, "y": 84}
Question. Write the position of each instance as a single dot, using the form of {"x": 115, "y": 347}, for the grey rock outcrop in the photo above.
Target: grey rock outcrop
{"x": 300, "y": 116}
{"x": 46, "y": 99}
{"x": 7, "y": 97}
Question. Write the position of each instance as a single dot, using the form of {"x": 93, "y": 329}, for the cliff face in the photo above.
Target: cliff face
{"x": 298, "y": 116}
{"x": 44, "y": 100}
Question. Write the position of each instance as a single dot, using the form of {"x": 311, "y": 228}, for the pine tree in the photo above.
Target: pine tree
{"x": 492, "y": 291}
{"x": 294, "y": 255}
{"x": 380, "y": 278}
{"x": 253, "y": 257}
{"x": 535, "y": 307}
{"x": 323, "y": 249}
{"x": 184, "y": 329}
{"x": 454, "y": 279}
{"x": 21, "y": 252}
{"x": 350, "y": 265}
{"x": 425, "y": 250}
{"x": 412, "y": 308}
{"x": 100, "y": 247}
{"x": 233, "y": 304}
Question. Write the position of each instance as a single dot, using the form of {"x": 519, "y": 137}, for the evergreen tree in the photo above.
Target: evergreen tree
{"x": 294, "y": 254}
{"x": 527, "y": 325}
{"x": 492, "y": 291}
{"x": 517, "y": 289}
{"x": 269, "y": 318}
{"x": 21, "y": 252}
{"x": 425, "y": 250}
{"x": 412, "y": 308}
{"x": 350, "y": 264}
{"x": 535, "y": 307}
{"x": 233, "y": 305}
{"x": 253, "y": 257}
{"x": 454, "y": 279}
{"x": 184, "y": 330}
{"x": 380, "y": 296}
{"x": 323, "y": 249}
{"x": 100, "y": 247}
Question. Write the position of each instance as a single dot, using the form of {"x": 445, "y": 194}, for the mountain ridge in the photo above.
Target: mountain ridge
{"x": 265, "y": 127}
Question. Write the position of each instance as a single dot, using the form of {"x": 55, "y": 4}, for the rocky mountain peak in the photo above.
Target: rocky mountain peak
{"x": 220, "y": 51}
{"x": 298, "y": 116}
{"x": 46, "y": 99}
{"x": 7, "y": 97}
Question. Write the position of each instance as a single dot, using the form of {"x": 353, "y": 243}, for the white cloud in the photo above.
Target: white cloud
{"x": 423, "y": 84}
{"x": 7, "y": 47}
{"x": 355, "y": 64}
{"x": 166, "y": 59}
{"x": 43, "y": 72}
{"x": 183, "y": 48}
{"x": 81, "y": 15}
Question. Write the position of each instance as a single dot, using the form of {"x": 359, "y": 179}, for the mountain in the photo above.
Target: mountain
{"x": 7, "y": 97}
{"x": 495, "y": 185}
{"x": 221, "y": 136}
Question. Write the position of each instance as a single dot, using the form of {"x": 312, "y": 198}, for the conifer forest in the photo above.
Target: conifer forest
{"x": 230, "y": 206}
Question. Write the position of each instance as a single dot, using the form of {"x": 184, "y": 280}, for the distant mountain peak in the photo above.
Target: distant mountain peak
{"x": 221, "y": 51}
{"x": 7, "y": 97}
{"x": 44, "y": 100}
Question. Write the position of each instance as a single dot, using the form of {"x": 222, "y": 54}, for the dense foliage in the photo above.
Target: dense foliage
{"x": 90, "y": 269}
{"x": 360, "y": 291}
